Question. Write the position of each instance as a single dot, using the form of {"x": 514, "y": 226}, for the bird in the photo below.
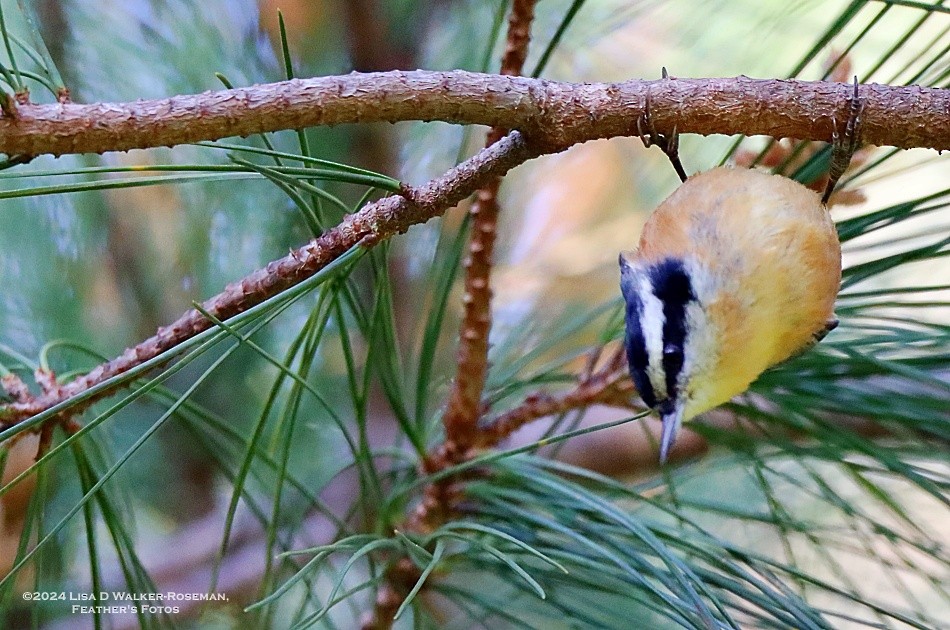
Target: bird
{"x": 737, "y": 271}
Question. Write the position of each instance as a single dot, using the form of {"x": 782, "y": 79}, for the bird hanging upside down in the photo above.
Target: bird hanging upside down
{"x": 736, "y": 271}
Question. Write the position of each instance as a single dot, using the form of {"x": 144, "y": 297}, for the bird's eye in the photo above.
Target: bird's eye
{"x": 672, "y": 360}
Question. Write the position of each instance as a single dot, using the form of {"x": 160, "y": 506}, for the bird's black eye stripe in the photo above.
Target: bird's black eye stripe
{"x": 672, "y": 286}
{"x": 672, "y": 364}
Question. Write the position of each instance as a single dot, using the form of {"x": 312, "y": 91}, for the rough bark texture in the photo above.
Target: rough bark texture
{"x": 370, "y": 225}
{"x": 606, "y": 388}
{"x": 609, "y": 385}
{"x": 562, "y": 113}
{"x": 464, "y": 401}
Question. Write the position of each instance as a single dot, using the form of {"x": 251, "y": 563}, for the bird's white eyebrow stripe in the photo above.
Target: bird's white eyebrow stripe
{"x": 651, "y": 323}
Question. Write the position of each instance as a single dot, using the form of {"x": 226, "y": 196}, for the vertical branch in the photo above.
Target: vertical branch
{"x": 464, "y": 404}
{"x": 373, "y": 47}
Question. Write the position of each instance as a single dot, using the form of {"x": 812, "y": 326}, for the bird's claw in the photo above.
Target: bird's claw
{"x": 669, "y": 144}
{"x": 843, "y": 145}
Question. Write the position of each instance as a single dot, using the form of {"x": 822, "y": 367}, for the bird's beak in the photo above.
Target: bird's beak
{"x": 672, "y": 419}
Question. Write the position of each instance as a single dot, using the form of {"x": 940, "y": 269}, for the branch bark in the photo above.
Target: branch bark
{"x": 610, "y": 385}
{"x": 464, "y": 400}
{"x": 375, "y": 222}
{"x": 560, "y": 113}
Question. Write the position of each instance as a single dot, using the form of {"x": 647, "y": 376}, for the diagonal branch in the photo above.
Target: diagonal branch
{"x": 464, "y": 401}
{"x": 375, "y": 222}
{"x": 562, "y": 113}
{"x": 610, "y": 385}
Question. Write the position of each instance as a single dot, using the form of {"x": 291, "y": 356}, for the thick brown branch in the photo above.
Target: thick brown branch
{"x": 464, "y": 401}
{"x": 464, "y": 406}
{"x": 518, "y": 37}
{"x": 373, "y": 223}
{"x": 564, "y": 113}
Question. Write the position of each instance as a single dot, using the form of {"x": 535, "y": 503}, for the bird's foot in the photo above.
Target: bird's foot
{"x": 843, "y": 145}
{"x": 650, "y": 136}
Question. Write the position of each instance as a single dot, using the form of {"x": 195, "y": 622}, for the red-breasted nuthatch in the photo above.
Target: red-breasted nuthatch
{"x": 736, "y": 271}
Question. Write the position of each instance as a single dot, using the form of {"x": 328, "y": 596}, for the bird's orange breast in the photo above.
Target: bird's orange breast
{"x": 770, "y": 259}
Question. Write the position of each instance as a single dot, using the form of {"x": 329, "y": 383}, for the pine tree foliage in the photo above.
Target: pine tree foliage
{"x": 822, "y": 503}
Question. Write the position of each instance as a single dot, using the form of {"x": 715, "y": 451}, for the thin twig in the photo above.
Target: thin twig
{"x": 372, "y": 224}
{"x": 561, "y": 113}
{"x": 610, "y": 385}
{"x": 400, "y": 577}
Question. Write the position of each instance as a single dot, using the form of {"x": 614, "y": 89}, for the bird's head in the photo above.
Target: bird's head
{"x": 670, "y": 345}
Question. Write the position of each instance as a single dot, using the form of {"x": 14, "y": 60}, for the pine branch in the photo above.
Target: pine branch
{"x": 551, "y": 117}
{"x": 369, "y": 226}
{"x": 464, "y": 401}
{"x": 610, "y": 385}
{"x": 559, "y": 113}
{"x": 464, "y": 406}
